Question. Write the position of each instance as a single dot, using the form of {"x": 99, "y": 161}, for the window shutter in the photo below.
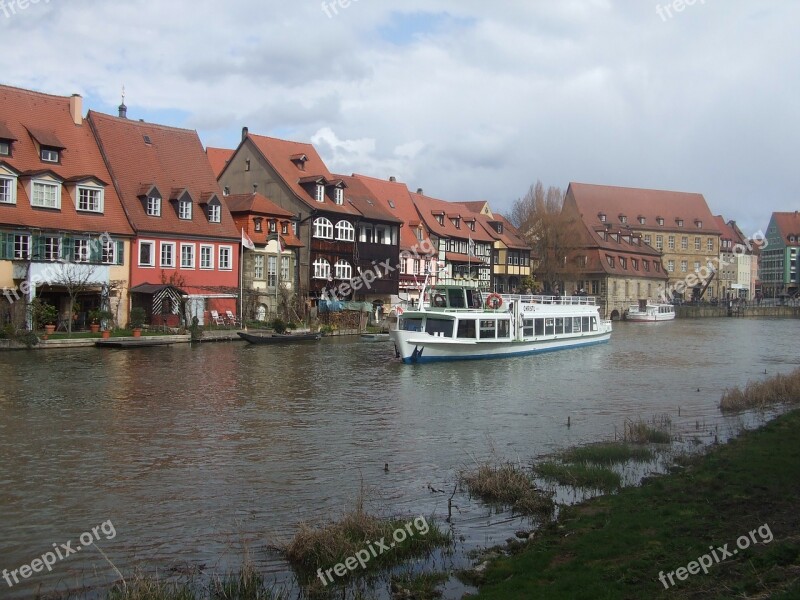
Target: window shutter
{"x": 67, "y": 249}
{"x": 119, "y": 255}
{"x": 5, "y": 238}
{"x": 38, "y": 247}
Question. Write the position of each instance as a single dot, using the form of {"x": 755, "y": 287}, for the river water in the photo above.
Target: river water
{"x": 200, "y": 454}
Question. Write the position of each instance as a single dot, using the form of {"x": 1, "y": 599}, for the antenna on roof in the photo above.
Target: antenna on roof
{"x": 123, "y": 110}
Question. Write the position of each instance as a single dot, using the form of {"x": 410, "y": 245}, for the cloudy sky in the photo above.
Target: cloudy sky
{"x": 467, "y": 99}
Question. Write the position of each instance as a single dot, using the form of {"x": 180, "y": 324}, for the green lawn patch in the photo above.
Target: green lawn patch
{"x": 580, "y": 475}
{"x": 606, "y": 453}
{"x": 616, "y": 546}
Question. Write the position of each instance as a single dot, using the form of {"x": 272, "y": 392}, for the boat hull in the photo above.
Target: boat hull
{"x": 274, "y": 338}
{"x": 414, "y": 348}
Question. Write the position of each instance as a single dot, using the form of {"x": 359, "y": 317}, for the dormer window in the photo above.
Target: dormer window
{"x": 214, "y": 213}
{"x": 338, "y": 196}
{"x": 642, "y": 220}
{"x": 284, "y": 228}
{"x": 699, "y": 224}
{"x": 660, "y": 220}
{"x": 602, "y": 217}
{"x": 679, "y": 222}
{"x": 90, "y": 199}
{"x": 471, "y": 225}
{"x": 320, "y": 193}
{"x": 257, "y": 224}
{"x": 623, "y": 219}
{"x": 5, "y": 148}
{"x": 8, "y": 187}
{"x": 49, "y": 154}
{"x": 46, "y": 194}
{"x": 440, "y": 219}
{"x": 153, "y": 206}
{"x": 457, "y": 223}
{"x": 185, "y": 209}
{"x": 273, "y": 226}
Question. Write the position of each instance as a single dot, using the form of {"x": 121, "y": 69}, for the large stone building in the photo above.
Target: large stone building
{"x": 678, "y": 225}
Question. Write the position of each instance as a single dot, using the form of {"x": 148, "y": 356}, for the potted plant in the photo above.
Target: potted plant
{"x": 105, "y": 319}
{"x": 94, "y": 320}
{"x": 43, "y": 314}
{"x": 137, "y": 320}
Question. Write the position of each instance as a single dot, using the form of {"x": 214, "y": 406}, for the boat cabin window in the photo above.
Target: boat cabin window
{"x": 527, "y": 327}
{"x": 456, "y": 298}
{"x": 488, "y": 328}
{"x": 585, "y": 323}
{"x": 559, "y": 326}
{"x": 539, "y": 327}
{"x": 466, "y": 328}
{"x": 439, "y": 327}
{"x": 576, "y": 324}
{"x": 594, "y": 323}
{"x": 474, "y": 299}
{"x": 568, "y": 325}
{"x": 411, "y": 325}
{"x": 549, "y": 327}
{"x": 503, "y": 328}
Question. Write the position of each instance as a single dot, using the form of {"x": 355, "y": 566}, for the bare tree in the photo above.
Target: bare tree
{"x": 553, "y": 234}
{"x": 76, "y": 278}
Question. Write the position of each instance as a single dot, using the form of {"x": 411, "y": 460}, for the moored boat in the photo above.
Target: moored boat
{"x": 278, "y": 338}
{"x": 647, "y": 312}
{"x": 375, "y": 337}
{"x": 462, "y": 323}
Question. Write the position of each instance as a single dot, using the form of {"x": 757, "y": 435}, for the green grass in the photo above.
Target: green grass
{"x": 607, "y": 453}
{"x": 77, "y": 335}
{"x": 580, "y": 475}
{"x": 510, "y": 485}
{"x": 615, "y": 546}
{"x": 419, "y": 587}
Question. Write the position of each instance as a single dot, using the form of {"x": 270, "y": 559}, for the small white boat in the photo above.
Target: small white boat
{"x": 647, "y": 312}
{"x": 461, "y": 323}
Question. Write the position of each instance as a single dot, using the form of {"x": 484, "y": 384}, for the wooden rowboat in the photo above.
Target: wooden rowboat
{"x": 278, "y": 338}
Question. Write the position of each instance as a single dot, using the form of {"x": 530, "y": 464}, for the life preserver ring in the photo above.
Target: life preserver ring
{"x": 494, "y": 301}
{"x": 439, "y": 300}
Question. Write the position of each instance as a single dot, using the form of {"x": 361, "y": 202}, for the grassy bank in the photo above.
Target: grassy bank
{"x": 616, "y": 546}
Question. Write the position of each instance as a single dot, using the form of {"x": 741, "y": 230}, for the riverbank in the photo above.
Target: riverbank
{"x": 651, "y": 541}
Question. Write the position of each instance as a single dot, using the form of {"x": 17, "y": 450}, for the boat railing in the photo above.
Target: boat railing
{"x": 539, "y": 299}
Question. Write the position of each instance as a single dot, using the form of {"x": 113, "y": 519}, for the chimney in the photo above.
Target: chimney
{"x": 76, "y": 109}
{"x": 419, "y": 191}
{"x": 392, "y": 178}
{"x": 244, "y": 133}
{"x": 255, "y": 188}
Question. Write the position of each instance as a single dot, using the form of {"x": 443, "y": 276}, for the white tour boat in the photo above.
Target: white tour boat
{"x": 460, "y": 323}
{"x": 647, "y": 312}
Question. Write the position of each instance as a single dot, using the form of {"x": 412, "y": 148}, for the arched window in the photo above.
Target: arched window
{"x": 345, "y": 231}
{"x": 323, "y": 228}
{"x": 344, "y": 270}
{"x": 322, "y": 269}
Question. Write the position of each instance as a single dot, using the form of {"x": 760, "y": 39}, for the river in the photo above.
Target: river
{"x": 198, "y": 454}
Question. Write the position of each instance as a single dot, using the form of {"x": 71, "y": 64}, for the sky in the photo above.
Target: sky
{"x": 467, "y": 99}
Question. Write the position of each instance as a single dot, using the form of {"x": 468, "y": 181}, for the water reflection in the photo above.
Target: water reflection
{"x": 196, "y": 452}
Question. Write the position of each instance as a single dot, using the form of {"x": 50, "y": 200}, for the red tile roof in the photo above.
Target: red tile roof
{"x": 286, "y": 158}
{"x": 361, "y": 197}
{"x": 510, "y": 237}
{"x": 141, "y": 155}
{"x": 428, "y": 207}
{"x": 729, "y": 232}
{"x": 218, "y": 158}
{"x": 788, "y": 223}
{"x": 593, "y": 200}
{"x": 242, "y": 206}
{"x": 22, "y": 111}
{"x": 396, "y": 199}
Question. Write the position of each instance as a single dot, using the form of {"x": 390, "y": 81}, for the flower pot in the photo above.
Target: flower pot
{"x": 137, "y": 332}
{"x": 49, "y": 329}
{"x": 106, "y": 334}
{"x": 94, "y": 327}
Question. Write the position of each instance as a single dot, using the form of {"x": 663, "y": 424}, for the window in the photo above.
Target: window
{"x": 344, "y": 270}
{"x": 5, "y": 148}
{"x": 8, "y": 190}
{"x": 623, "y": 262}
{"x": 320, "y": 193}
{"x": 699, "y": 224}
{"x": 680, "y": 222}
{"x": 323, "y": 228}
{"x": 696, "y": 265}
{"x": 670, "y": 266}
{"x": 247, "y": 164}
{"x": 168, "y": 255}
{"x": 684, "y": 243}
{"x": 659, "y": 242}
{"x": 671, "y": 242}
{"x": 647, "y": 239}
{"x": 684, "y": 266}
{"x": 187, "y": 256}
{"x": 642, "y": 220}
{"x": 52, "y": 248}
{"x": 416, "y": 267}
{"x": 214, "y": 213}
{"x": 206, "y": 257}
{"x": 657, "y": 266}
{"x": 338, "y": 196}
{"x": 623, "y": 219}
{"x": 610, "y": 260}
{"x": 80, "y": 251}
{"x": 272, "y": 226}
{"x": 602, "y": 217}
{"x": 488, "y": 328}
{"x": 153, "y": 206}
{"x": 22, "y": 246}
{"x": 419, "y": 233}
{"x": 635, "y": 264}
{"x": 225, "y": 254}
{"x": 272, "y": 271}
{"x": 185, "y": 210}
{"x": 710, "y": 244}
{"x": 48, "y": 154}
{"x": 660, "y": 220}
{"x": 258, "y": 266}
{"x": 46, "y": 195}
{"x": 284, "y": 228}
{"x": 697, "y": 243}
{"x": 285, "y": 268}
{"x": 147, "y": 254}
{"x": 90, "y": 199}
{"x": 109, "y": 253}
{"x": 322, "y": 269}
{"x": 466, "y": 329}
{"x": 646, "y": 265}
{"x": 257, "y": 224}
